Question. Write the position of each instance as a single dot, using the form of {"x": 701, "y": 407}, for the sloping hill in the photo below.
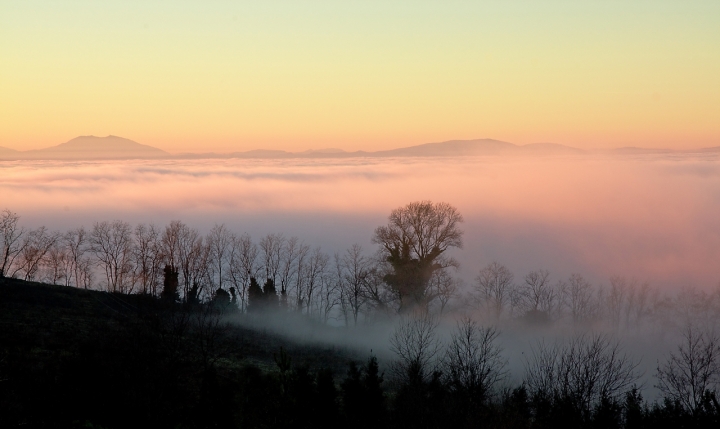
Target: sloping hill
{"x": 91, "y": 147}
{"x": 7, "y": 151}
{"x": 479, "y": 147}
{"x": 81, "y": 358}
{"x": 453, "y": 148}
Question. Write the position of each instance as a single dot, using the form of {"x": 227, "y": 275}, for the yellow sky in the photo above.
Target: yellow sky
{"x": 296, "y": 75}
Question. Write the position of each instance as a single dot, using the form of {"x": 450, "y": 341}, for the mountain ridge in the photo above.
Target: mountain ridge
{"x": 92, "y": 147}
{"x": 114, "y": 147}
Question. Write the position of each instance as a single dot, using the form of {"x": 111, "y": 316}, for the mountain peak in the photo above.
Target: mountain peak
{"x": 92, "y": 147}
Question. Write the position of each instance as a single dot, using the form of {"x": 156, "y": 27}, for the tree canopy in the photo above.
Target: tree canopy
{"x": 414, "y": 242}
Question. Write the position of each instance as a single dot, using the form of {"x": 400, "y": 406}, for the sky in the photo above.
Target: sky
{"x": 192, "y": 76}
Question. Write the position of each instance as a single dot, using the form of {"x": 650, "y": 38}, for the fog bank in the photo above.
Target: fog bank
{"x": 650, "y": 217}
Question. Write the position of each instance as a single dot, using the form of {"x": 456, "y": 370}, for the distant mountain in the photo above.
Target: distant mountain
{"x": 480, "y": 147}
{"x": 631, "y": 150}
{"x": 550, "y": 148}
{"x": 112, "y": 147}
{"x": 91, "y": 147}
{"x": 332, "y": 150}
{"x": 452, "y": 148}
{"x": 7, "y": 151}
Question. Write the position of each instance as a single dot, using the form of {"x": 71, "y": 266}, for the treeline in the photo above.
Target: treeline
{"x": 118, "y": 257}
{"x": 408, "y": 271}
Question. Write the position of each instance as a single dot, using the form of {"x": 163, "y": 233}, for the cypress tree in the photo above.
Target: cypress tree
{"x": 271, "y": 297}
{"x": 255, "y": 296}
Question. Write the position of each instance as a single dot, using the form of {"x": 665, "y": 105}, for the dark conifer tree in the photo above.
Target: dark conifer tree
{"x": 170, "y": 284}
{"x": 327, "y": 395}
{"x": 271, "y": 297}
{"x": 255, "y": 295}
{"x": 193, "y": 297}
{"x": 233, "y": 294}
{"x": 221, "y": 299}
{"x": 363, "y": 397}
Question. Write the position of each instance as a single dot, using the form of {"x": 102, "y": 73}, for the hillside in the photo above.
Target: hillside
{"x": 91, "y": 147}
{"x": 5, "y": 152}
{"x": 94, "y": 358}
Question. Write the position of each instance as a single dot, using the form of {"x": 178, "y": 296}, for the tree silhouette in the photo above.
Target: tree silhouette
{"x": 691, "y": 376}
{"x": 10, "y": 240}
{"x": 270, "y": 294}
{"x": 170, "y": 284}
{"x": 414, "y": 242}
{"x": 255, "y": 296}
{"x": 363, "y": 397}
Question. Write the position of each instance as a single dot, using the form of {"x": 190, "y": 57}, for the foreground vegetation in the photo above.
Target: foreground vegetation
{"x": 76, "y": 358}
{"x": 170, "y": 328}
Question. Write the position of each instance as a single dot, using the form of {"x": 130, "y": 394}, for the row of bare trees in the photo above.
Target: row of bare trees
{"x": 411, "y": 270}
{"x": 583, "y": 372}
{"x": 586, "y": 368}
{"x": 619, "y": 305}
{"x": 117, "y": 257}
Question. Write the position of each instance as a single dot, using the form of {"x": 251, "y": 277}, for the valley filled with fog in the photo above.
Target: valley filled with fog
{"x": 650, "y": 218}
{"x": 596, "y": 268}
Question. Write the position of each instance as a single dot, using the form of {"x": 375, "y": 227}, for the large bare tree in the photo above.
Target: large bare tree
{"x": 57, "y": 264}
{"x": 417, "y": 348}
{"x": 584, "y": 371}
{"x": 11, "y": 235}
{"x": 494, "y": 286}
{"x": 353, "y": 271}
{"x": 692, "y": 374}
{"x": 219, "y": 241}
{"x": 271, "y": 255}
{"x": 315, "y": 274}
{"x": 473, "y": 360}
{"x": 75, "y": 241}
{"x": 536, "y": 298}
{"x": 34, "y": 248}
{"x": 414, "y": 242}
{"x": 578, "y": 297}
{"x": 147, "y": 251}
{"x": 111, "y": 243}
{"x": 242, "y": 265}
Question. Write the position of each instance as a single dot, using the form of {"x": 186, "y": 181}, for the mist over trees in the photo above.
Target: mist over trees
{"x": 410, "y": 271}
{"x": 449, "y": 367}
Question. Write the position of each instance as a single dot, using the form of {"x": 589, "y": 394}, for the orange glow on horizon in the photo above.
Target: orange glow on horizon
{"x": 360, "y": 76}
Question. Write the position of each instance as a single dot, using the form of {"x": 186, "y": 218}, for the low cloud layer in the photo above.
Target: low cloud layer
{"x": 652, "y": 218}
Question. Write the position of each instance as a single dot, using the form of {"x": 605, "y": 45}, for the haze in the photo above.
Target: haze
{"x": 651, "y": 217}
